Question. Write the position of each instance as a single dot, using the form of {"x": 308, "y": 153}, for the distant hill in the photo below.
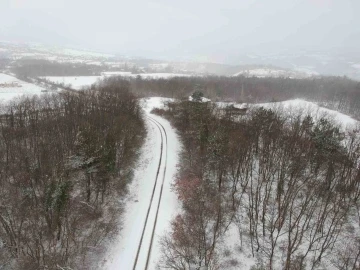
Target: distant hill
{"x": 295, "y": 65}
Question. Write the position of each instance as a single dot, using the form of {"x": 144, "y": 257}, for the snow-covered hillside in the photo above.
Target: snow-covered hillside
{"x": 75, "y": 82}
{"x": 78, "y": 82}
{"x": 18, "y": 51}
{"x": 297, "y": 106}
{"x": 270, "y": 72}
{"x": 11, "y": 87}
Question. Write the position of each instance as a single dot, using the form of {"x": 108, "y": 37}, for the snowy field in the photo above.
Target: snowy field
{"x": 161, "y": 75}
{"x": 53, "y": 53}
{"x": 116, "y": 73}
{"x": 309, "y": 70}
{"x": 123, "y": 249}
{"x": 77, "y": 53}
{"x": 11, "y": 87}
{"x": 80, "y": 82}
{"x": 75, "y": 82}
{"x": 274, "y": 73}
{"x": 299, "y": 105}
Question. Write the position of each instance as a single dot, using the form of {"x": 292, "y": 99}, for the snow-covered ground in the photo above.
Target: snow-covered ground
{"x": 309, "y": 70}
{"x": 202, "y": 99}
{"x": 123, "y": 249}
{"x": 78, "y": 82}
{"x": 161, "y": 75}
{"x": 270, "y": 72}
{"x": 52, "y": 53}
{"x": 11, "y": 87}
{"x": 116, "y": 73}
{"x": 73, "y": 52}
{"x": 298, "y": 105}
{"x": 240, "y": 250}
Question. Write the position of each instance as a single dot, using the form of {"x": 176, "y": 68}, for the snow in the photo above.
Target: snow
{"x": 30, "y": 54}
{"x": 79, "y": 82}
{"x": 11, "y": 87}
{"x": 122, "y": 252}
{"x": 203, "y": 99}
{"x": 155, "y": 102}
{"x": 270, "y": 72}
{"x": 252, "y": 56}
{"x": 53, "y": 53}
{"x": 116, "y": 73}
{"x": 242, "y": 252}
{"x": 160, "y": 75}
{"x": 239, "y": 252}
{"x": 309, "y": 70}
{"x": 95, "y": 63}
{"x": 299, "y": 105}
{"x": 159, "y": 66}
{"x": 356, "y": 66}
{"x": 73, "y": 52}
{"x": 223, "y": 105}
{"x": 76, "y": 82}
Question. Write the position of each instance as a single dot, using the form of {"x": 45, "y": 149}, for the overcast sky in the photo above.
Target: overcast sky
{"x": 208, "y": 29}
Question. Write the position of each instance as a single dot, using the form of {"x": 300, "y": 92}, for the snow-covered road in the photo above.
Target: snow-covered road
{"x": 153, "y": 177}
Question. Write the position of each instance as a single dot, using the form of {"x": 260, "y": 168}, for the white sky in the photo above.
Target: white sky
{"x": 195, "y": 28}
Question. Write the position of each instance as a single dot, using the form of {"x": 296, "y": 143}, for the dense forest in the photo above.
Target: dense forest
{"x": 65, "y": 162}
{"x": 338, "y": 93}
{"x": 284, "y": 188}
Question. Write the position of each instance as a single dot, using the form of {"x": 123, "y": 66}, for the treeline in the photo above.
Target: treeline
{"x": 338, "y": 93}
{"x": 30, "y": 68}
{"x": 4, "y": 62}
{"x": 284, "y": 188}
{"x": 65, "y": 161}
